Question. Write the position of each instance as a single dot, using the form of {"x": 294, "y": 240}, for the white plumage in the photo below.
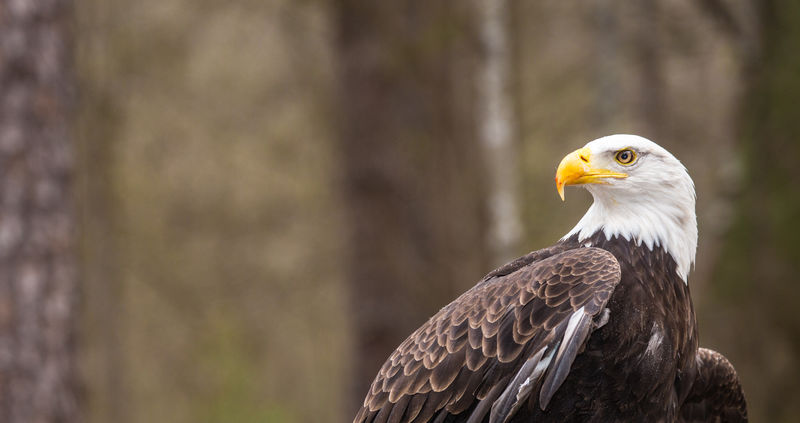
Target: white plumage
{"x": 654, "y": 205}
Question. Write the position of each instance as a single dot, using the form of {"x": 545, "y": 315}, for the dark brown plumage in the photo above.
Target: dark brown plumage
{"x": 470, "y": 361}
{"x": 716, "y": 395}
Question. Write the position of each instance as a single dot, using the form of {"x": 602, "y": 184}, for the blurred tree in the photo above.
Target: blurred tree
{"x": 37, "y": 275}
{"x": 98, "y": 130}
{"x": 412, "y": 168}
{"x": 497, "y": 133}
{"x": 756, "y": 279}
{"x": 649, "y": 70}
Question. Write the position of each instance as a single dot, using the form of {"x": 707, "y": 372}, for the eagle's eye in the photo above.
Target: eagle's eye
{"x": 625, "y": 157}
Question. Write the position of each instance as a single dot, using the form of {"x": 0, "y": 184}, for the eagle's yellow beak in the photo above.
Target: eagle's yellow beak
{"x": 576, "y": 169}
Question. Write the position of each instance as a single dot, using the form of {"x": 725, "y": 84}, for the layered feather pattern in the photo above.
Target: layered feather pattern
{"x": 470, "y": 350}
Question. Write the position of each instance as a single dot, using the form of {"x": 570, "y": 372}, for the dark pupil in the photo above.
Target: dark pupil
{"x": 625, "y": 156}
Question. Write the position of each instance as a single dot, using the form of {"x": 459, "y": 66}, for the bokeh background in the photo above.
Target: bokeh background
{"x": 273, "y": 194}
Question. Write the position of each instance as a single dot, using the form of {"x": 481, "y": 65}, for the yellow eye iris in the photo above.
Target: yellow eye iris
{"x": 625, "y": 157}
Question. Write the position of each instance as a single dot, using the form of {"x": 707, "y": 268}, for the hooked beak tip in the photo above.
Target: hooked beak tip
{"x": 560, "y": 189}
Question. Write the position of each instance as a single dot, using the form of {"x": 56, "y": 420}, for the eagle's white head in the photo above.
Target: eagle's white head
{"x": 641, "y": 192}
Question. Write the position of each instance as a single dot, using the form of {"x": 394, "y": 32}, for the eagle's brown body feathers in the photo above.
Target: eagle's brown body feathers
{"x": 568, "y": 333}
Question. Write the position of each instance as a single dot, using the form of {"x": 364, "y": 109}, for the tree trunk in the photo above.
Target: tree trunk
{"x": 755, "y": 284}
{"x": 412, "y": 170}
{"x": 37, "y": 272}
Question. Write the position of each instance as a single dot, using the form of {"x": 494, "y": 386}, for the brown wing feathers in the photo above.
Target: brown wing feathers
{"x": 473, "y": 348}
{"x": 716, "y": 395}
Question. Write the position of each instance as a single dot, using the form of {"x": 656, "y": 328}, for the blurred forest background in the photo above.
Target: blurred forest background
{"x": 271, "y": 195}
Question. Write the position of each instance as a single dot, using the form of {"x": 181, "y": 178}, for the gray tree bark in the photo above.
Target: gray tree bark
{"x": 37, "y": 272}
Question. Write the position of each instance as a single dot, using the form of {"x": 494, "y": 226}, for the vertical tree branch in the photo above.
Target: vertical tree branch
{"x": 647, "y": 51}
{"x": 497, "y": 131}
{"x": 605, "y": 33}
{"x": 98, "y": 132}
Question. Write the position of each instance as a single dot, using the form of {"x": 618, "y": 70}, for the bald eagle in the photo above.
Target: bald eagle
{"x": 599, "y": 327}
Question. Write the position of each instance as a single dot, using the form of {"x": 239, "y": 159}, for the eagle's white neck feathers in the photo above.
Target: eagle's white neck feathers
{"x": 654, "y": 206}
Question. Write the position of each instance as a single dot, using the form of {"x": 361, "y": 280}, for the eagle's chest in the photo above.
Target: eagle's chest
{"x": 644, "y": 338}
{"x": 651, "y": 314}
{"x": 636, "y": 360}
